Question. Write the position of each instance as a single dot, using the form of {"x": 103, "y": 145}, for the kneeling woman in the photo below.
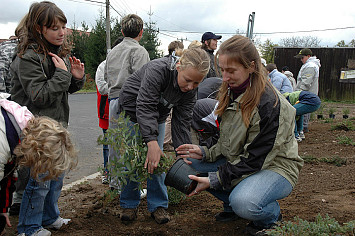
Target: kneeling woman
{"x": 255, "y": 161}
{"x": 147, "y": 97}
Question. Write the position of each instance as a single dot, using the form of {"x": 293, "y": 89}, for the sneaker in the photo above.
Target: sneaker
{"x": 128, "y": 215}
{"x": 143, "y": 193}
{"x": 298, "y": 138}
{"x": 225, "y": 216}
{"x": 15, "y": 209}
{"x": 104, "y": 179}
{"x": 58, "y": 223}
{"x": 42, "y": 232}
{"x": 302, "y": 135}
{"x": 160, "y": 215}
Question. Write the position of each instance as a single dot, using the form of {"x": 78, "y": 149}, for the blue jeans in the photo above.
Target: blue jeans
{"x": 39, "y": 204}
{"x": 255, "y": 197}
{"x": 157, "y": 194}
{"x": 105, "y": 152}
{"x": 301, "y": 110}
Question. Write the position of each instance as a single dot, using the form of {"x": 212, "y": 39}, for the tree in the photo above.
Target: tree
{"x": 341, "y": 44}
{"x": 78, "y": 40}
{"x": 300, "y": 42}
{"x": 352, "y": 43}
{"x": 267, "y": 51}
{"x": 150, "y": 39}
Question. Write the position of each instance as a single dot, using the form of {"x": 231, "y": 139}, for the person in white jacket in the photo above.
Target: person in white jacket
{"x": 307, "y": 79}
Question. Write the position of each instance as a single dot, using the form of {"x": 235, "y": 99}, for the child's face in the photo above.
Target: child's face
{"x": 55, "y": 34}
{"x": 188, "y": 78}
{"x": 233, "y": 73}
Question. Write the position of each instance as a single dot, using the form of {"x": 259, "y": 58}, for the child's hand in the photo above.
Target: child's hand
{"x": 77, "y": 68}
{"x": 58, "y": 62}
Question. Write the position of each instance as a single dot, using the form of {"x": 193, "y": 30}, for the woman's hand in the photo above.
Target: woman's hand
{"x": 153, "y": 156}
{"x": 203, "y": 183}
{"x": 77, "y": 68}
{"x": 7, "y": 219}
{"x": 189, "y": 151}
{"x": 58, "y": 62}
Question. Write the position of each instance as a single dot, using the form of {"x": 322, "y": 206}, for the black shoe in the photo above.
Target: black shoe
{"x": 225, "y": 216}
{"x": 252, "y": 229}
{"x": 15, "y": 209}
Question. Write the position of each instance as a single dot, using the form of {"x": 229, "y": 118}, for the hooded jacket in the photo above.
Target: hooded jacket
{"x": 268, "y": 143}
{"x": 307, "y": 79}
{"x": 150, "y": 93}
{"x": 42, "y": 87}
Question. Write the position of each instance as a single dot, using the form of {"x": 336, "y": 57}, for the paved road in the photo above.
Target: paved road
{"x": 83, "y": 125}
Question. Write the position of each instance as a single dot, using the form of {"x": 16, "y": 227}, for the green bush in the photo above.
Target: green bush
{"x": 129, "y": 145}
{"x": 322, "y": 226}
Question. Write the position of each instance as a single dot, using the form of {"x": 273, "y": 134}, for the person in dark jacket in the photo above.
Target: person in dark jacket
{"x": 147, "y": 97}
{"x": 209, "y": 44}
{"x": 255, "y": 161}
{"x": 209, "y": 87}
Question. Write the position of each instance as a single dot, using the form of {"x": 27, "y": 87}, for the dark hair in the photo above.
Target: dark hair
{"x": 29, "y": 30}
{"x": 131, "y": 25}
{"x": 204, "y": 45}
{"x": 270, "y": 67}
{"x": 285, "y": 68}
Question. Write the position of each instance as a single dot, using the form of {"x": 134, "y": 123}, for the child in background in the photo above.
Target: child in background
{"x": 304, "y": 102}
{"x": 45, "y": 148}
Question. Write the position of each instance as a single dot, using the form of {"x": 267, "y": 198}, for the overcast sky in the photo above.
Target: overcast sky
{"x": 189, "y": 19}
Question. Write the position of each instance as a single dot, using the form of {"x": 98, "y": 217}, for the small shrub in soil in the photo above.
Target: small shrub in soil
{"x": 321, "y": 226}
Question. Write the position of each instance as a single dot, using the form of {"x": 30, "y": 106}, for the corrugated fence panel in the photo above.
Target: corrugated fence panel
{"x": 332, "y": 61}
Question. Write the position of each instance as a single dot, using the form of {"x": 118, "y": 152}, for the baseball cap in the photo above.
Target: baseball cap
{"x": 210, "y": 35}
{"x": 304, "y": 52}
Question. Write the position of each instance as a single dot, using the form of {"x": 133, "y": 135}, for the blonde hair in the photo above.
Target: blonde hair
{"x": 240, "y": 49}
{"x": 195, "y": 44}
{"x": 196, "y": 58}
{"x": 46, "y": 148}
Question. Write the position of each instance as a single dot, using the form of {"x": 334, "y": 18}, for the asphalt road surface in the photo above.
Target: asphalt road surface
{"x": 84, "y": 128}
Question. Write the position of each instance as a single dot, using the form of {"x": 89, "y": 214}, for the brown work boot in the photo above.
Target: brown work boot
{"x": 160, "y": 215}
{"x": 128, "y": 215}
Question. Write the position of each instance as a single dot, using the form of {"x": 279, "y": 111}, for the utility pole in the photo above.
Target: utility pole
{"x": 250, "y": 29}
{"x": 108, "y": 27}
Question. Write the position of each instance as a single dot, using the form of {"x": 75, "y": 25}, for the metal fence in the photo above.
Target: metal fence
{"x": 332, "y": 61}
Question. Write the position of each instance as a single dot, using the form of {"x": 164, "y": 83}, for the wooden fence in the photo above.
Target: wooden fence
{"x": 332, "y": 61}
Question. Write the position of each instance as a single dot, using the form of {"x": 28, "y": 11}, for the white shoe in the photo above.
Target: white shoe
{"x": 41, "y": 232}
{"x": 58, "y": 223}
{"x": 143, "y": 193}
{"x": 302, "y": 135}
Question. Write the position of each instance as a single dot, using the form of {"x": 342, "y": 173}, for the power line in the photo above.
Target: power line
{"x": 307, "y": 31}
{"x": 87, "y": 2}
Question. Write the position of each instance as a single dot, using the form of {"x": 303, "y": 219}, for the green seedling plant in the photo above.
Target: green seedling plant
{"x": 346, "y": 111}
{"x": 129, "y": 145}
{"x": 346, "y": 140}
{"x": 331, "y": 111}
{"x": 321, "y": 226}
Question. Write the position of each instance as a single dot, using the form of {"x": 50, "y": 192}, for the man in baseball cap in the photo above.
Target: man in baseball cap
{"x": 209, "y": 44}
{"x": 304, "y": 52}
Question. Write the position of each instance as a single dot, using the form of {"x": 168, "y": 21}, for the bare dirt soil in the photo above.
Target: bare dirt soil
{"x": 323, "y": 188}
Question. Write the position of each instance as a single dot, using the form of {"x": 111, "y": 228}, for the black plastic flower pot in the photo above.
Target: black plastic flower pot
{"x": 178, "y": 177}
{"x": 345, "y": 116}
{"x": 331, "y": 116}
{"x": 319, "y": 117}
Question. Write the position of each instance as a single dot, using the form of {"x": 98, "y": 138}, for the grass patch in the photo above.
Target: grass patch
{"x": 321, "y": 226}
{"x": 337, "y": 161}
{"x": 345, "y": 140}
{"x": 347, "y": 125}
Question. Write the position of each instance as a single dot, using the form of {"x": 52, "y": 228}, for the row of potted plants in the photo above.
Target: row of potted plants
{"x": 331, "y": 112}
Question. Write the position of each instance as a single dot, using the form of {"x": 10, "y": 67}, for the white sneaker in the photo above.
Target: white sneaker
{"x": 42, "y": 232}
{"x": 302, "y": 136}
{"x": 58, "y": 223}
{"x": 143, "y": 193}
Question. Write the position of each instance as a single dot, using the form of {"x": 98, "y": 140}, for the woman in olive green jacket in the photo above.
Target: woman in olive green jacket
{"x": 255, "y": 161}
